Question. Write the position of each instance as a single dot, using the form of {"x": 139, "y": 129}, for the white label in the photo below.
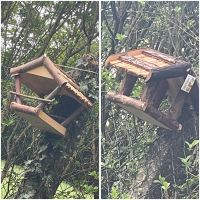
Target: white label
{"x": 188, "y": 83}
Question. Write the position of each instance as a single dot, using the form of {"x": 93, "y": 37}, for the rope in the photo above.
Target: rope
{"x": 77, "y": 69}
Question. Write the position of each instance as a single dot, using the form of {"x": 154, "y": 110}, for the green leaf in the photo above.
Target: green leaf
{"x": 120, "y": 37}
{"x": 165, "y": 185}
{"x": 193, "y": 144}
{"x": 157, "y": 181}
{"x": 142, "y": 2}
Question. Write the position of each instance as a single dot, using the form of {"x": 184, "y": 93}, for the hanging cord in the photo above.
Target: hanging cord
{"x": 77, "y": 69}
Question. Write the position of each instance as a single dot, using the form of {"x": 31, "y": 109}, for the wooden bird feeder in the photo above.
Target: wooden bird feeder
{"x": 162, "y": 73}
{"x": 44, "y": 78}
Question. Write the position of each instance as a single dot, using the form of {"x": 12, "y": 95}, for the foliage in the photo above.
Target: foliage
{"x": 172, "y": 28}
{"x": 66, "y": 32}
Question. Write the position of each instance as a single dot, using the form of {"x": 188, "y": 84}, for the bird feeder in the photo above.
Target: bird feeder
{"x": 163, "y": 76}
{"x": 47, "y": 80}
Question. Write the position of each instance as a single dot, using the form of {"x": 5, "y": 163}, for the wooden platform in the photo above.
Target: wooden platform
{"x": 38, "y": 118}
{"x": 144, "y": 111}
{"x": 148, "y": 64}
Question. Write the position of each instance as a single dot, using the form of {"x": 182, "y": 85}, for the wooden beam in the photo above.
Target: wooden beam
{"x": 176, "y": 70}
{"x": 17, "y": 88}
{"x": 25, "y": 67}
{"x": 161, "y": 117}
{"x": 175, "y": 110}
{"x": 127, "y": 84}
{"x": 23, "y": 108}
{"x": 72, "y": 116}
{"x": 118, "y": 98}
{"x": 154, "y": 92}
{"x": 31, "y": 97}
{"x": 50, "y": 96}
{"x": 54, "y": 71}
{"x": 194, "y": 93}
{"x": 140, "y": 63}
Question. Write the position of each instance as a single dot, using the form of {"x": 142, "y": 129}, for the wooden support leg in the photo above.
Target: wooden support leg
{"x": 127, "y": 84}
{"x": 49, "y": 97}
{"x": 154, "y": 93}
{"x": 72, "y": 116}
{"x": 17, "y": 88}
{"x": 177, "y": 105}
{"x": 195, "y": 97}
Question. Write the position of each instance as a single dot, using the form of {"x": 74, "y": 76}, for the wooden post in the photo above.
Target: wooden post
{"x": 17, "y": 88}
{"x": 194, "y": 93}
{"x": 127, "y": 84}
{"x": 49, "y": 97}
{"x": 177, "y": 105}
{"x": 72, "y": 116}
{"x": 154, "y": 92}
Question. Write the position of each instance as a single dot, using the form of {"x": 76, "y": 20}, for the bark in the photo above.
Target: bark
{"x": 163, "y": 157}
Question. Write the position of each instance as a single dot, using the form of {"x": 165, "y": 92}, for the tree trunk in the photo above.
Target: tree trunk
{"x": 163, "y": 157}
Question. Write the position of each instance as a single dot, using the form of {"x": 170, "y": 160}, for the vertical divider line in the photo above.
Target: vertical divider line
{"x": 99, "y": 99}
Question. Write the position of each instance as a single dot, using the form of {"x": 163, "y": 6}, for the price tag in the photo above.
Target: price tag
{"x": 188, "y": 83}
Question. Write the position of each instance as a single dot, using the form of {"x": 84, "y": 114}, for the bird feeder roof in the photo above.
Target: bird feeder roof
{"x": 145, "y": 62}
{"x": 42, "y": 76}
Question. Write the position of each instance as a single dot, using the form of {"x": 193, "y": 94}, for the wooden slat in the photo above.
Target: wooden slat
{"x": 140, "y": 63}
{"x": 115, "y": 57}
{"x": 160, "y": 56}
{"x": 130, "y": 68}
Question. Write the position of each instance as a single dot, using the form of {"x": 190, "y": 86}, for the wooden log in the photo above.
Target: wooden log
{"x": 17, "y": 88}
{"x": 55, "y": 72}
{"x": 118, "y": 98}
{"x": 175, "y": 110}
{"x": 69, "y": 78}
{"x": 168, "y": 121}
{"x": 49, "y": 97}
{"x": 127, "y": 84}
{"x": 154, "y": 92}
{"x": 31, "y": 97}
{"x": 140, "y": 63}
{"x": 145, "y": 108}
{"x": 23, "y": 108}
{"x": 194, "y": 93}
{"x": 72, "y": 116}
{"x": 171, "y": 71}
{"x": 25, "y": 67}
{"x": 159, "y": 55}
